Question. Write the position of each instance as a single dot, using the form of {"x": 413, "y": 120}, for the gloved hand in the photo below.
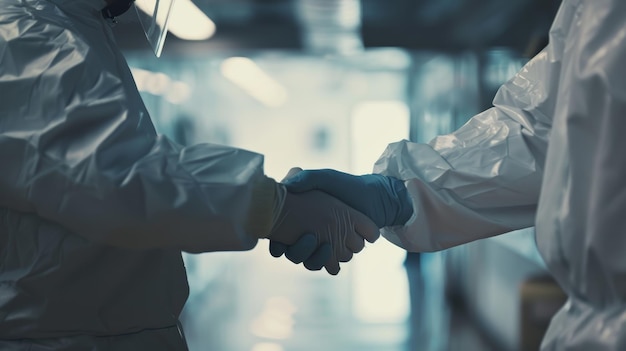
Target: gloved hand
{"x": 334, "y": 231}
{"x": 382, "y": 198}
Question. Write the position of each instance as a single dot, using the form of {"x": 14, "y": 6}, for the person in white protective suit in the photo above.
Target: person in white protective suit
{"x": 549, "y": 153}
{"x": 95, "y": 207}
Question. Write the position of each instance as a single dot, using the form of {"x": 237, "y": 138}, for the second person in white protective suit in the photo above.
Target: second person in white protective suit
{"x": 549, "y": 153}
{"x": 95, "y": 207}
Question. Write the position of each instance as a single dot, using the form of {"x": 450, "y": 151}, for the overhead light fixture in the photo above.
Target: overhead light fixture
{"x": 186, "y": 21}
{"x": 247, "y": 75}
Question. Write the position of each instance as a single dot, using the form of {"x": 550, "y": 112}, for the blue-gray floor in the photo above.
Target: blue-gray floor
{"x": 253, "y": 302}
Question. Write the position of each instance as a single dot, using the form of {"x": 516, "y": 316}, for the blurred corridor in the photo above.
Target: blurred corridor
{"x": 278, "y": 306}
{"x": 340, "y": 112}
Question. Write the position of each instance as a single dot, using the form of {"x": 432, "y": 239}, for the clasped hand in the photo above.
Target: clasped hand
{"x": 327, "y": 215}
{"x": 333, "y": 231}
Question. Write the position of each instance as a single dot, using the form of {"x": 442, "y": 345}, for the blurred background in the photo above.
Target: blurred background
{"x": 328, "y": 84}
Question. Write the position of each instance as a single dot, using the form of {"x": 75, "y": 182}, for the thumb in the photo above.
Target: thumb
{"x": 299, "y": 181}
{"x": 292, "y": 172}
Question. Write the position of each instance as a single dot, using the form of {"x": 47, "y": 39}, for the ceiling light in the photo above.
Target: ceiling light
{"x": 247, "y": 75}
{"x": 188, "y": 22}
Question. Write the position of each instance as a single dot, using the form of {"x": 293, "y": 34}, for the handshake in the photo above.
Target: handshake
{"x": 325, "y": 216}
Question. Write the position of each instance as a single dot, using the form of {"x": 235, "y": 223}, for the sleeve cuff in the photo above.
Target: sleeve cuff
{"x": 265, "y": 206}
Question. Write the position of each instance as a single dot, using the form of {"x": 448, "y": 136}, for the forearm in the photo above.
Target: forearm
{"x": 484, "y": 179}
{"x": 79, "y": 149}
{"x": 193, "y": 199}
{"x": 452, "y": 206}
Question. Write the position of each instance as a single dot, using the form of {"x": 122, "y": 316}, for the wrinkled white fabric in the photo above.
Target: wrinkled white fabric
{"x": 94, "y": 206}
{"x": 549, "y": 153}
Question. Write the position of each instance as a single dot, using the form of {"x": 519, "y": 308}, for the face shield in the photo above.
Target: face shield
{"x": 153, "y": 15}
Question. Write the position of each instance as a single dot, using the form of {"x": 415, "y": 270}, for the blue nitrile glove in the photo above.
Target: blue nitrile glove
{"x": 383, "y": 199}
{"x": 304, "y": 250}
{"x": 329, "y": 220}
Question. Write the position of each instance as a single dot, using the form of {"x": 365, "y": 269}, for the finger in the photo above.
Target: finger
{"x": 367, "y": 229}
{"x": 354, "y": 242}
{"x": 302, "y": 249}
{"x": 277, "y": 249}
{"x": 301, "y": 181}
{"x": 316, "y": 261}
{"x": 345, "y": 256}
{"x": 292, "y": 172}
{"x": 332, "y": 267}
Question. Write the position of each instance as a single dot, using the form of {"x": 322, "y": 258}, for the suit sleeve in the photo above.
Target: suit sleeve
{"x": 483, "y": 179}
{"x": 77, "y": 148}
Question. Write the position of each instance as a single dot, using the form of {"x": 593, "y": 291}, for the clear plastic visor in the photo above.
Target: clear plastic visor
{"x": 154, "y": 17}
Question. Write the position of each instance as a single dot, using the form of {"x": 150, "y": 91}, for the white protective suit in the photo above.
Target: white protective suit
{"x": 549, "y": 153}
{"x": 87, "y": 256}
